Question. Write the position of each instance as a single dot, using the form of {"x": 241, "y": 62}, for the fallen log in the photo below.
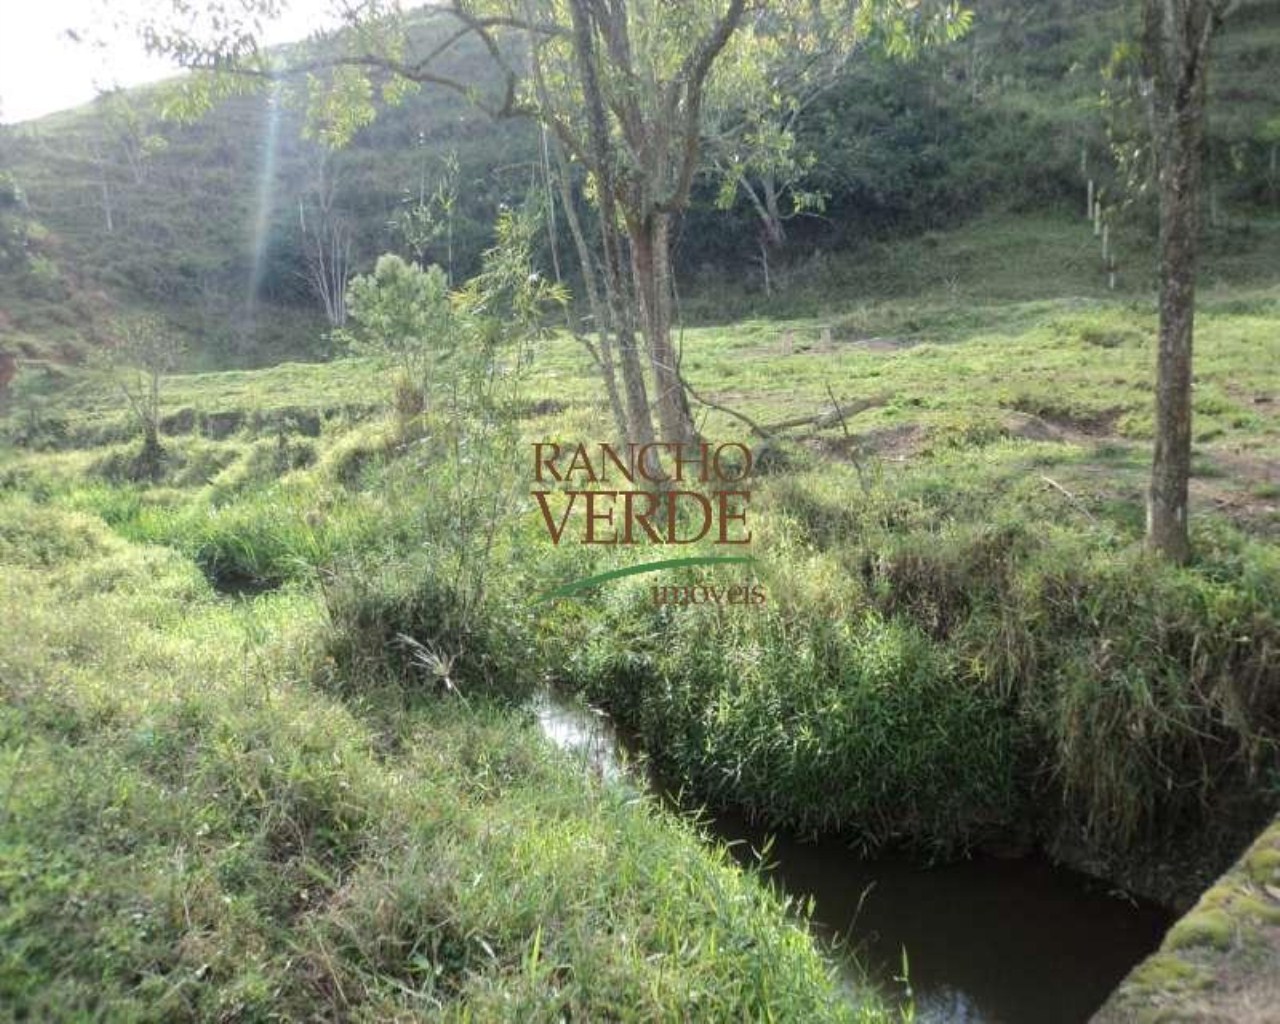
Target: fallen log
{"x": 823, "y": 420}
{"x": 818, "y": 421}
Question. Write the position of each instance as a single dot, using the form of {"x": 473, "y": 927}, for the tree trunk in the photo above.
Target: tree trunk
{"x": 1178, "y": 35}
{"x": 651, "y": 272}
{"x": 639, "y": 420}
{"x": 603, "y": 164}
{"x": 773, "y": 232}
{"x": 104, "y": 187}
{"x": 601, "y": 320}
{"x": 1171, "y": 467}
{"x": 764, "y": 266}
{"x": 776, "y": 231}
{"x": 106, "y": 203}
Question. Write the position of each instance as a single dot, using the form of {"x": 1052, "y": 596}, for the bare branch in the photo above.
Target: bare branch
{"x": 693, "y": 76}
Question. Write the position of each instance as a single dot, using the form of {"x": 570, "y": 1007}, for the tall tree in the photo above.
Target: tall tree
{"x": 326, "y": 240}
{"x": 752, "y": 133}
{"x": 1176, "y": 38}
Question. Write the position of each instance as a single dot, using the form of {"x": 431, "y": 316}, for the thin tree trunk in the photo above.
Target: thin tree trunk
{"x": 599, "y": 315}
{"x": 104, "y": 187}
{"x": 553, "y": 235}
{"x": 766, "y": 208}
{"x": 777, "y": 232}
{"x": 639, "y": 420}
{"x": 651, "y": 273}
{"x": 106, "y": 203}
{"x": 1171, "y": 466}
{"x": 1178, "y": 33}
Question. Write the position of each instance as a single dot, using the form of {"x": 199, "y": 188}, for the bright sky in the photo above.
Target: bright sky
{"x": 41, "y": 70}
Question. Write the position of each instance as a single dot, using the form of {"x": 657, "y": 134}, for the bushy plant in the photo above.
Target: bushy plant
{"x": 467, "y": 355}
{"x": 143, "y": 352}
{"x": 403, "y": 315}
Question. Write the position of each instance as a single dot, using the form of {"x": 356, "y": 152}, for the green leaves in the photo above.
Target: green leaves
{"x": 199, "y": 92}
{"x": 509, "y": 290}
{"x": 424, "y": 220}
{"x": 339, "y": 105}
{"x": 903, "y": 28}
{"x": 775, "y": 69}
{"x": 403, "y": 314}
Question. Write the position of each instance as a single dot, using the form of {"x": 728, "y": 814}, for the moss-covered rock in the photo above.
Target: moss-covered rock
{"x": 1221, "y": 962}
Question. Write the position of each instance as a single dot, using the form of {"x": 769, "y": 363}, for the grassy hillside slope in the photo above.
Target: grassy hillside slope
{"x": 202, "y": 221}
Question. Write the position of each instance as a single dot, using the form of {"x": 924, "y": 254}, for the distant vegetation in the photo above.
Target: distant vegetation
{"x": 205, "y": 219}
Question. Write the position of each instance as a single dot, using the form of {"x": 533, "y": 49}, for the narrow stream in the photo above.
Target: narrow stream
{"x": 987, "y": 941}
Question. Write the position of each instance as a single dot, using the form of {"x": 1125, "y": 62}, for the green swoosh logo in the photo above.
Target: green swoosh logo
{"x": 566, "y": 589}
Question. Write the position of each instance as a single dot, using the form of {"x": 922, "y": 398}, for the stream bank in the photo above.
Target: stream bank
{"x": 1221, "y": 962}
{"x": 987, "y": 940}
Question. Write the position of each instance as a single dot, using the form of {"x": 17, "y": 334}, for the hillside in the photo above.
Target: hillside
{"x": 205, "y": 219}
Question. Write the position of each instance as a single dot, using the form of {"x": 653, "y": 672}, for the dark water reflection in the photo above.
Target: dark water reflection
{"x": 990, "y": 940}
{"x": 987, "y": 941}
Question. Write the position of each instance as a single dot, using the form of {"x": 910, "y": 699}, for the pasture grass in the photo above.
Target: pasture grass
{"x": 230, "y": 789}
{"x": 197, "y": 826}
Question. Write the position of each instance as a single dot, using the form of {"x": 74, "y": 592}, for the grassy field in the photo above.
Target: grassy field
{"x": 209, "y": 813}
{"x": 232, "y": 790}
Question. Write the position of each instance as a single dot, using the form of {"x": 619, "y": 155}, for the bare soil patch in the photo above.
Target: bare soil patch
{"x": 1038, "y": 424}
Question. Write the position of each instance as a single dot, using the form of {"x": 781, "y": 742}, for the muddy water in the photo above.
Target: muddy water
{"x": 987, "y": 941}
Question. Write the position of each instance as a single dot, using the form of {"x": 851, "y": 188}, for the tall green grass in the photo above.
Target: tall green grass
{"x": 952, "y": 657}
{"x": 193, "y": 829}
